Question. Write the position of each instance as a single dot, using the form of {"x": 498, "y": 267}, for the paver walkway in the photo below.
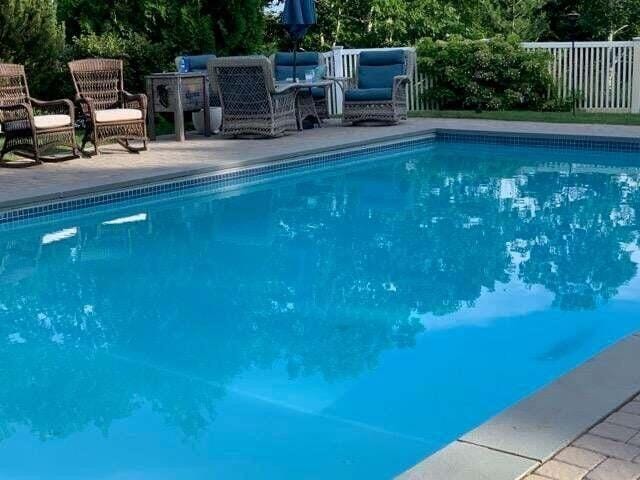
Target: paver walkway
{"x": 609, "y": 451}
{"x": 169, "y": 159}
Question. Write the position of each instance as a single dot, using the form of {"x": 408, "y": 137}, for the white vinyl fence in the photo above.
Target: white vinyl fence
{"x": 607, "y": 74}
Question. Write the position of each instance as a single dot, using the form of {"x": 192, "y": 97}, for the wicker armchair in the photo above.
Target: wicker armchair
{"x": 282, "y": 63}
{"x": 379, "y": 92}
{"x": 251, "y": 104}
{"x": 32, "y": 126}
{"x": 110, "y": 112}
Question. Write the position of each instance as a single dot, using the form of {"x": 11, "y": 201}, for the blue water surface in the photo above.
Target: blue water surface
{"x": 340, "y": 324}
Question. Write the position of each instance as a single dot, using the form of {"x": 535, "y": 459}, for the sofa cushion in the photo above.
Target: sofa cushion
{"x": 318, "y": 92}
{"x": 198, "y": 62}
{"x": 283, "y": 64}
{"x": 51, "y": 121}
{"x": 368, "y": 95}
{"x": 378, "y": 76}
{"x": 195, "y": 63}
{"x": 382, "y": 57}
{"x": 117, "y": 115}
{"x": 377, "y": 69}
{"x": 302, "y": 58}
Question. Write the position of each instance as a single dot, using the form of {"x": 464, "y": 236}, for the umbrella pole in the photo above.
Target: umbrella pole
{"x": 295, "y": 50}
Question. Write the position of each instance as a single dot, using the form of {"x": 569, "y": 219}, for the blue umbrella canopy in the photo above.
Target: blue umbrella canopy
{"x": 298, "y": 16}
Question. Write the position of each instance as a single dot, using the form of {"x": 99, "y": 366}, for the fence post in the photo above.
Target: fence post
{"x": 337, "y": 72}
{"x": 635, "y": 79}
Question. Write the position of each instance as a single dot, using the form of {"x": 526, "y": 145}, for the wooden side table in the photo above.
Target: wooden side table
{"x": 177, "y": 93}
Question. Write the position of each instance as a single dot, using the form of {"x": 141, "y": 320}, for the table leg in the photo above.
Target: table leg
{"x": 207, "y": 107}
{"x": 151, "y": 113}
{"x": 178, "y": 114}
{"x": 306, "y": 107}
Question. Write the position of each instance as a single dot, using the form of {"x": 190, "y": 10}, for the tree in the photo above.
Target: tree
{"x": 31, "y": 35}
{"x": 524, "y": 18}
{"x": 238, "y": 24}
{"x": 600, "y": 19}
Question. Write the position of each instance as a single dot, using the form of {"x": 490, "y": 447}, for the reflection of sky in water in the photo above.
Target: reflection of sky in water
{"x": 339, "y": 325}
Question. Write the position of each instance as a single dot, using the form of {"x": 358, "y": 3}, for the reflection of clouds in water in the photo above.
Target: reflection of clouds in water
{"x": 514, "y": 299}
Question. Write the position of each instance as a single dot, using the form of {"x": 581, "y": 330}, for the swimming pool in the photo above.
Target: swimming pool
{"x": 340, "y": 323}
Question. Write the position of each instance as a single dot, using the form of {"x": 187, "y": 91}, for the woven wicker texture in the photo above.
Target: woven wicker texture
{"x": 385, "y": 111}
{"x": 250, "y": 103}
{"x": 17, "y": 112}
{"x": 99, "y": 86}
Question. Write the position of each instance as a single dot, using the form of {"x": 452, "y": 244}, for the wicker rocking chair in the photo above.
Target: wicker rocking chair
{"x": 110, "y": 112}
{"x": 251, "y": 105}
{"x": 379, "y": 93}
{"x": 31, "y": 126}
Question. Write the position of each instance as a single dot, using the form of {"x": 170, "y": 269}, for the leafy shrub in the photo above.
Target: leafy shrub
{"x": 31, "y": 35}
{"x": 140, "y": 56}
{"x": 495, "y": 74}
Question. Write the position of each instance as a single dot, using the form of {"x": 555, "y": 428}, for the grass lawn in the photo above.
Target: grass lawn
{"x": 526, "y": 116}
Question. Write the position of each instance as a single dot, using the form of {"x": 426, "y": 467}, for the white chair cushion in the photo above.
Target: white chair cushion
{"x": 51, "y": 121}
{"x": 118, "y": 114}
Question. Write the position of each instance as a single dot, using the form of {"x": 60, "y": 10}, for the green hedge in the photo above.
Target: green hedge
{"x": 494, "y": 74}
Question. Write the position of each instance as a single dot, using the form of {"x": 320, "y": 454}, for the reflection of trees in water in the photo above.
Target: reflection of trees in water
{"x": 322, "y": 276}
{"x": 576, "y": 241}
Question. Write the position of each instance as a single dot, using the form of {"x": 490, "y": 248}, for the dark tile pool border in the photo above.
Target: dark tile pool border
{"x": 555, "y": 141}
{"x": 221, "y": 178}
{"x": 72, "y": 201}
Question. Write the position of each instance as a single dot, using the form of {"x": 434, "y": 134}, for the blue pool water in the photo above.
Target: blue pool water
{"x": 339, "y": 324}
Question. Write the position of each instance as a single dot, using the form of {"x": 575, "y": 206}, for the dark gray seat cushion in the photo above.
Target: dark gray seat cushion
{"x": 368, "y": 95}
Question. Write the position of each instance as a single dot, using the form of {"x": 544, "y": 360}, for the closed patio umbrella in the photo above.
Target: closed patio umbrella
{"x": 297, "y": 17}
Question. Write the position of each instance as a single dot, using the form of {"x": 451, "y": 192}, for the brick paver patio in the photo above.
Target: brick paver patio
{"x": 608, "y": 451}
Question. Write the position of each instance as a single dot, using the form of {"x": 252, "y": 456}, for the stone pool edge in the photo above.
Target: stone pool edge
{"x": 472, "y": 135}
{"x": 519, "y": 439}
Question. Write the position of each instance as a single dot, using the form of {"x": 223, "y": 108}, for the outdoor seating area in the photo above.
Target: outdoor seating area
{"x": 320, "y": 239}
{"x": 257, "y": 96}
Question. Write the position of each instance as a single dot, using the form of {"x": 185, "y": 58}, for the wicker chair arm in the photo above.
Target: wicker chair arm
{"x": 62, "y": 106}
{"x": 347, "y": 83}
{"x": 87, "y": 106}
{"x": 400, "y": 81}
{"x": 16, "y": 112}
{"x": 131, "y": 100}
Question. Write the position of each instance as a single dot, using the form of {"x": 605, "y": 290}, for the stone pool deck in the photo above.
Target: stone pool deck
{"x": 169, "y": 159}
{"x": 608, "y": 451}
{"x": 573, "y": 429}
{"x": 520, "y": 443}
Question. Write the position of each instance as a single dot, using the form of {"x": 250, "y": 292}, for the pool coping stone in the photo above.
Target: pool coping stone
{"x": 439, "y": 132}
{"x": 536, "y": 428}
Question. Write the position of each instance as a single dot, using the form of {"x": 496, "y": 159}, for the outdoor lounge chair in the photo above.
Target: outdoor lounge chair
{"x": 282, "y": 63}
{"x": 110, "y": 112}
{"x": 32, "y": 126}
{"x": 380, "y": 94}
{"x": 251, "y": 104}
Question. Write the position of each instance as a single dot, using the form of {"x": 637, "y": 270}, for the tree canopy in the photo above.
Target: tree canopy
{"x": 148, "y": 34}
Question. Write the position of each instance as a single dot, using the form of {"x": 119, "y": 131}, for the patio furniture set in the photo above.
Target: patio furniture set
{"x": 258, "y": 96}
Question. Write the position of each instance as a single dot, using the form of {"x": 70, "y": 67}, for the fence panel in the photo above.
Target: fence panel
{"x": 606, "y": 75}
{"x": 602, "y": 72}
